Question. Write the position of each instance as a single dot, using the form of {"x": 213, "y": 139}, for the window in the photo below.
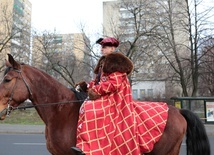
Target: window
{"x": 150, "y": 93}
{"x": 134, "y": 94}
{"x": 142, "y": 93}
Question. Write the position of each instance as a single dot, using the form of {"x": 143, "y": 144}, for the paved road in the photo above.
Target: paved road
{"x": 10, "y": 132}
{"x": 35, "y": 144}
{"x": 23, "y": 144}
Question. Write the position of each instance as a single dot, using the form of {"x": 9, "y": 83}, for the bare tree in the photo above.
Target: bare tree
{"x": 207, "y": 69}
{"x": 184, "y": 29}
{"x": 14, "y": 35}
{"x": 134, "y": 30}
{"x": 64, "y": 56}
{"x": 164, "y": 39}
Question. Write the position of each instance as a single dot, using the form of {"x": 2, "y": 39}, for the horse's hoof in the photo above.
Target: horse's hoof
{"x": 77, "y": 151}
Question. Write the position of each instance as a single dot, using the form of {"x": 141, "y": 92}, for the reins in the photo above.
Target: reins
{"x": 11, "y": 108}
{"x": 45, "y": 104}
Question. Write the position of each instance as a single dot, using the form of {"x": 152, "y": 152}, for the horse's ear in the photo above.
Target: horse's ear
{"x": 7, "y": 63}
{"x": 12, "y": 63}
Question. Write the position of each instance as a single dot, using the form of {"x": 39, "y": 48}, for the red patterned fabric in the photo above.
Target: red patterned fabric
{"x": 116, "y": 125}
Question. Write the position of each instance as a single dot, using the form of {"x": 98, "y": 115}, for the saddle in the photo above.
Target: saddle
{"x": 81, "y": 96}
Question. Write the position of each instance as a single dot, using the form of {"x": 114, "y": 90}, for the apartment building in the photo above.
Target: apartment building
{"x": 68, "y": 51}
{"x": 132, "y": 23}
{"x": 15, "y": 28}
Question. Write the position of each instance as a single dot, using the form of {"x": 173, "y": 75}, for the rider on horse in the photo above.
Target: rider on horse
{"x": 107, "y": 122}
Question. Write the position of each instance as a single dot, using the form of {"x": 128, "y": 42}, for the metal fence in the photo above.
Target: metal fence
{"x": 202, "y": 106}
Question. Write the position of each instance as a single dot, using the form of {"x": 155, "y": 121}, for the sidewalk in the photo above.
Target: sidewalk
{"x": 40, "y": 129}
{"x": 24, "y": 129}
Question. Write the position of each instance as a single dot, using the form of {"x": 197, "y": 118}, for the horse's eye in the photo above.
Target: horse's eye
{"x": 7, "y": 79}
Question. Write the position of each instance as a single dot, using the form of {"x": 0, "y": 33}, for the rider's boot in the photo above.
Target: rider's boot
{"x": 77, "y": 151}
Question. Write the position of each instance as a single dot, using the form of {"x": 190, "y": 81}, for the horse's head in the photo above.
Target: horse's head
{"x": 13, "y": 89}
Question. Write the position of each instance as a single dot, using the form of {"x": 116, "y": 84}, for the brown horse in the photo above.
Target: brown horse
{"x": 23, "y": 82}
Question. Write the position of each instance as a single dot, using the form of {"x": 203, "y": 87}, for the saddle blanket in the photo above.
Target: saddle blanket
{"x": 135, "y": 131}
{"x": 151, "y": 118}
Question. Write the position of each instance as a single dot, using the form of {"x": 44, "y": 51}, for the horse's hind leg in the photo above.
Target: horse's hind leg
{"x": 170, "y": 141}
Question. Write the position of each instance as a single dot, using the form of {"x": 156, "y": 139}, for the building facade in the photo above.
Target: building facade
{"x": 64, "y": 56}
{"x": 15, "y": 28}
{"x": 133, "y": 23}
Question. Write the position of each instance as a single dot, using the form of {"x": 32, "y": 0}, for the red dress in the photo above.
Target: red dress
{"x": 116, "y": 125}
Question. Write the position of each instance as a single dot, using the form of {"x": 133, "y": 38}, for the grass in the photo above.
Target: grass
{"x": 25, "y": 117}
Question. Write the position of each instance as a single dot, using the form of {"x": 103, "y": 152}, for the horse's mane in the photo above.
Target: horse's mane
{"x": 45, "y": 74}
{"x": 41, "y": 72}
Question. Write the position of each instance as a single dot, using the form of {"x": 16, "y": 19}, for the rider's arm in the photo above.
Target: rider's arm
{"x": 109, "y": 84}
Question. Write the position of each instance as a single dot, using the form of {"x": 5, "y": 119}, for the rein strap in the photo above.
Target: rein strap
{"x": 45, "y": 105}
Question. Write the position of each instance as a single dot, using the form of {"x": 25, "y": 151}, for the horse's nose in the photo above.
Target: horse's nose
{"x": 2, "y": 118}
{"x": 3, "y": 114}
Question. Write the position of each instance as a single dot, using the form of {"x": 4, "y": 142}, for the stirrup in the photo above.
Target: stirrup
{"x": 77, "y": 151}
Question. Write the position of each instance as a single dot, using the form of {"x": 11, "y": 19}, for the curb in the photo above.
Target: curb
{"x": 40, "y": 129}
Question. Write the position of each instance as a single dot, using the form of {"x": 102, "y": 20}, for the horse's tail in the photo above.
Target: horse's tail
{"x": 196, "y": 137}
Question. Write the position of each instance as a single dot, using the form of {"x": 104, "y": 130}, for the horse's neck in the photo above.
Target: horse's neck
{"x": 48, "y": 91}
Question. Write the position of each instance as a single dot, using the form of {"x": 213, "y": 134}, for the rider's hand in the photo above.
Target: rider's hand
{"x": 81, "y": 87}
{"x": 92, "y": 95}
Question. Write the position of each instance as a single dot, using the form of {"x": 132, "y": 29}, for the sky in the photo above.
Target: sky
{"x": 65, "y": 16}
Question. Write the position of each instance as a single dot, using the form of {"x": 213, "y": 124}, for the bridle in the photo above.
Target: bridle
{"x": 10, "y": 108}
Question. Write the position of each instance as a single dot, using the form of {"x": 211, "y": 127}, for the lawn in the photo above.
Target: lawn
{"x": 28, "y": 116}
